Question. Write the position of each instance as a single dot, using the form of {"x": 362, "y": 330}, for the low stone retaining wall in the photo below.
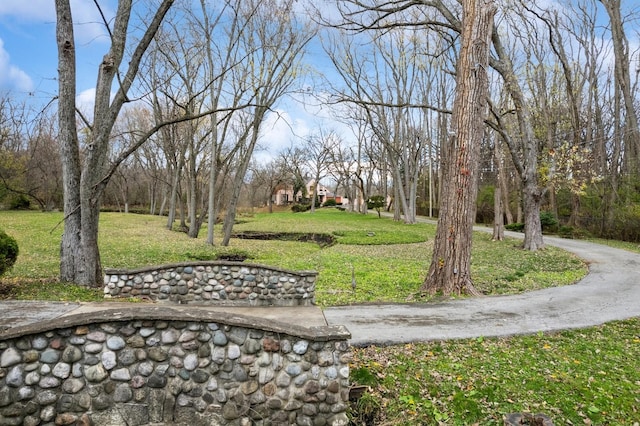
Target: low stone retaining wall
{"x": 218, "y": 282}
{"x": 148, "y": 365}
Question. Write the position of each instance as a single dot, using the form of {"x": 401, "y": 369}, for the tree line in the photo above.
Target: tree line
{"x": 195, "y": 86}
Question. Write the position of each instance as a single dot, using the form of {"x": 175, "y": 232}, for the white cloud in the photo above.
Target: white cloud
{"x": 12, "y": 77}
{"x": 289, "y": 126}
{"x": 278, "y": 132}
{"x": 34, "y": 10}
{"x": 85, "y": 102}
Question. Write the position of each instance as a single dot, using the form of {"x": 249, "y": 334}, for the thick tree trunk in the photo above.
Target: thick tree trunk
{"x": 405, "y": 203}
{"x": 88, "y": 264}
{"x": 498, "y": 216}
{"x": 69, "y": 148}
{"x": 532, "y": 195}
{"x": 396, "y": 201}
{"x": 450, "y": 270}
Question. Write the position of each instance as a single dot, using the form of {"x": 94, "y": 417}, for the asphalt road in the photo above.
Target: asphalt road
{"x": 611, "y": 291}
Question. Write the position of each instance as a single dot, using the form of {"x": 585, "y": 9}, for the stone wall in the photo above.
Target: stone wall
{"x": 150, "y": 365}
{"x": 218, "y": 282}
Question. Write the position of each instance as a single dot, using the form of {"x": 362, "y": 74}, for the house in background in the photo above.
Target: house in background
{"x": 284, "y": 195}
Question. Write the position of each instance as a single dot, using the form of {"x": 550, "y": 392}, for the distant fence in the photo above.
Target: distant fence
{"x": 150, "y": 364}
{"x": 215, "y": 282}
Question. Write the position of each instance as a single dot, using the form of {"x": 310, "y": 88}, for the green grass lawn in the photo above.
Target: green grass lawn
{"x": 577, "y": 377}
{"x": 389, "y": 259}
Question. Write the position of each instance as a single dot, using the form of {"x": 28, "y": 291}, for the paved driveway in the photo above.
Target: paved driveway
{"x": 610, "y": 291}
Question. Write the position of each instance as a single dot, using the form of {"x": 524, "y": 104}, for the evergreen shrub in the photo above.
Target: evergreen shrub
{"x": 299, "y": 208}
{"x": 8, "y": 252}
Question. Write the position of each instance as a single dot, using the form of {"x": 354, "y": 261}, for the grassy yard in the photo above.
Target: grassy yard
{"x": 389, "y": 259}
{"x": 577, "y": 377}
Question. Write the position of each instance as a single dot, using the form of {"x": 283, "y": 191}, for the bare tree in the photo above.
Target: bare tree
{"x": 293, "y": 159}
{"x": 623, "y": 83}
{"x": 29, "y": 158}
{"x": 221, "y": 56}
{"x": 392, "y": 99}
{"x": 273, "y": 43}
{"x": 267, "y": 178}
{"x": 319, "y": 149}
{"x": 524, "y": 149}
{"x": 352, "y": 169}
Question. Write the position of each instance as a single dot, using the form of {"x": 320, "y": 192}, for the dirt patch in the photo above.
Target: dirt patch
{"x": 6, "y": 290}
{"x": 323, "y": 240}
{"x": 232, "y": 257}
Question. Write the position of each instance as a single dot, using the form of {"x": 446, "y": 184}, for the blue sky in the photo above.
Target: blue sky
{"x": 28, "y": 51}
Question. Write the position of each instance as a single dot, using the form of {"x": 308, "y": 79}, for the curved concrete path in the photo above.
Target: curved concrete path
{"x": 611, "y": 291}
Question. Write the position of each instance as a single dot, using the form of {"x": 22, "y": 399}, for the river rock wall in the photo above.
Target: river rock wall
{"x": 150, "y": 365}
{"x": 216, "y": 282}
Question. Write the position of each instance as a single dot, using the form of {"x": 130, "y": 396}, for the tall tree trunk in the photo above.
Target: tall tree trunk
{"x": 212, "y": 213}
{"x": 173, "y": 192}
{"x": 396, "y": 200}
{"x": 314, "y": 193}
{"x": 450, "y": 270}
{"x": 525, "y": 159}
{"x": 69, "y": 147}
{"x": 241, "y": 171}
{"x": 498, "y": 215}
{"x": 498, "y": 210}
{"x": 194, "y": 194}
{"x": 504, "y": 185}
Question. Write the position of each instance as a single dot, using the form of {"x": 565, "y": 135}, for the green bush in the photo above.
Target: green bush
{"x": 8, "y": 252}
{"x": 548, "y": 221}
{"x": 376, "y": 202}
{"x": 517, "y": 227}
{"x": 299, "y": 208}
{"x": 21, "y": 202}
{"x": 626, "y": 223}
{"x": 566, "y": 231}
{"x": 331, "y": 202}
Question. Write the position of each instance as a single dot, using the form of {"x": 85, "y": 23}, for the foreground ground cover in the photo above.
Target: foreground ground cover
{"x": 387, "y": 259}
{"x": 576, "y": 377}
